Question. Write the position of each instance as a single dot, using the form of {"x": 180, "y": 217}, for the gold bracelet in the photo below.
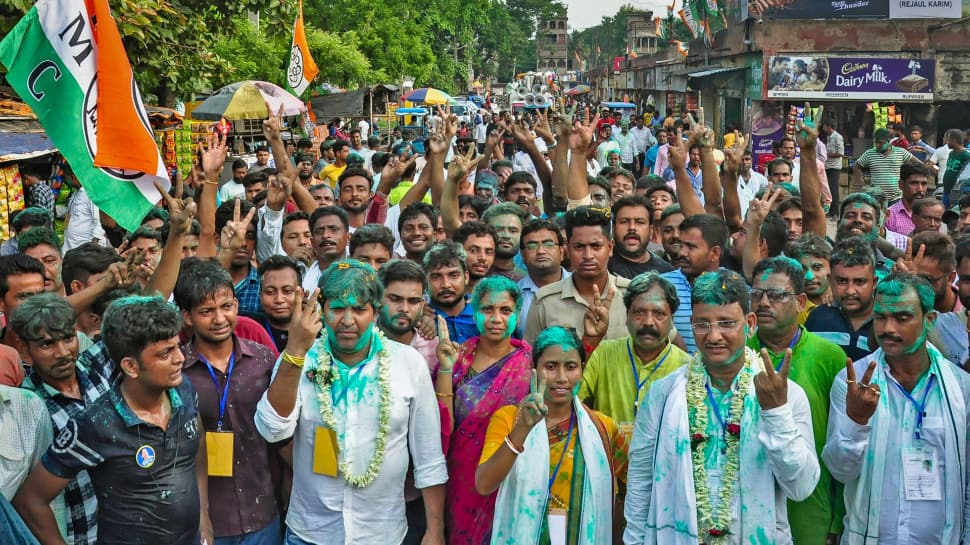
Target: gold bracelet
{"x": 296, "y": 361}
{"x": 444, "y": 396}
{"x": 212, "y": 183}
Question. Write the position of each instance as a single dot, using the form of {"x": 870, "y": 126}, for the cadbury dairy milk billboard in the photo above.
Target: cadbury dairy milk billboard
{"x": 796, "y": 77}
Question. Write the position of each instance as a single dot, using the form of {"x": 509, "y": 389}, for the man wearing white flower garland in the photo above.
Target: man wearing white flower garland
{"x": 354, "y": 402}
{"x": 722, "y": 443}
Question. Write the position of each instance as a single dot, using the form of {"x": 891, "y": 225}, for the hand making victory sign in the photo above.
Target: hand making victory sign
{"x": 447, "y": 351}
{"x": 771, "y": 386}
{"x": 861, "y": 398}
{"x": 533, "y": 408}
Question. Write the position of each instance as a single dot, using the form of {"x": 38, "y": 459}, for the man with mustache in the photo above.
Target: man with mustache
{"x": 847, "y": 321}
{"x": 777, "y": 298}
{"x": 280, "y": 278}
{"x": 330, "y": 230}
{"x": 591, "y": 293}
{"x": 914, "y": 180}
{"x": 898, "y": 428}
{"x": 521, "y": 189}
{"x": 927, "y": 215}
{"x": 935, "y": 262}
{"x": 47, "y": 340}
{"x": 620, "y": 371}
{"x": 447, "y": 277}
{"x": 507, "y": 220}
{"x": 631, "y": 235}
{"x": 230, "y": 375}
{"x": 670, "y": 220}
{"x": 542, "y": 251}
{"x": 726, "y": 425}
{"x": 479, "y": 240}
{"x": 813, "y": 252}
{"x": 703, "y": 238}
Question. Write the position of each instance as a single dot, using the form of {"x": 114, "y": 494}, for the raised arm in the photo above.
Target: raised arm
{"x": 690, "y": 205}
{"x": 560, "y": 159}
{"x": 459, "y": 167}
{"x": 703, "y": 137}
{"x": 733, "y": 157}
{"x": 757, "y": 212}
{"x": 810, "y": 185}
{"x": 580, "y": 138}
{"x": 272, "y": 127}
{"x": 180, "y": 223}
{"x": 542, "y": 167}
{"x": 213, "y": 159}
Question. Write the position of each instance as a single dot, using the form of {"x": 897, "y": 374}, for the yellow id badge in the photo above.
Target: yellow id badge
{"x": 626, "y": 428}
{"x": 218, "y": 446}
{"x": 325, "y": 452}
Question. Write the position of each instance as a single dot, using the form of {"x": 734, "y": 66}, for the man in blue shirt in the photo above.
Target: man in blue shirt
{"x": 447, "y": 274}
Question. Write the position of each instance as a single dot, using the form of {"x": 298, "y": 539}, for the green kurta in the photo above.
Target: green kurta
{"x": 814, "y": 366}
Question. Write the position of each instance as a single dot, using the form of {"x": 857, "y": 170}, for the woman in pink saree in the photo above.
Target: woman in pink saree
{"x": 487, "y": 373}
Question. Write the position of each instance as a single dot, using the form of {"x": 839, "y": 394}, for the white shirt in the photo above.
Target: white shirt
{"x": 231, "y": 190}
{"x": 84, "y": 223}
{"x": 311, "y": 277}
{"x": 326, "y": 509}
{"x": 481, "y": 133}
{"x": 364, "y": 127}
{"x": 848, "y": 444}
{"x": 748, "y": 189}
{"x": 834, "y": 144}
{"x": 642, "y": 138}
{"x": 939, "y": 158}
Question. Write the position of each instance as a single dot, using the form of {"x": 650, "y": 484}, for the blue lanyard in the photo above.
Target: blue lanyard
{"x": 636, "y": 373}
{"x": 791, "y": 346}
{"x": 225, "y": 389}
{"x": 921, "y": 406}
{"x": 717, "y": 414}
{"x": 351, "y": 377}
{"x": 565, "y": 449}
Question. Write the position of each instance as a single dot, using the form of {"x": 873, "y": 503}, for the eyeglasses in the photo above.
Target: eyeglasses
{"x": 774, "y": 295}
{"x": 703, "y": 328}
{"x": 547, "y": 244}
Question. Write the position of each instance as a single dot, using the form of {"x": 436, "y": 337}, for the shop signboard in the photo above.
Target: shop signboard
{"x": 925, "y": 9}
{"x": 767, "y": 122}
{"x": 795, "y": 77}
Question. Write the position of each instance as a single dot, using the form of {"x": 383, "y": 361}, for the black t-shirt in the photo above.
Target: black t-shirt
{"x": 280, "y": 336}
{"x": 625, "y": 268}
{"x": 731, "y": 262}
{"x": 144, "y": 476}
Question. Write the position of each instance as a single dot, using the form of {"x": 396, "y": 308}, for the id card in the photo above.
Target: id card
{"x": 921, "y": 475}
{"x": 626, "y": 428}
{"x": 325, "y": 451}
{"x": 218, "y": 449}
{"x": 557, "y": 527}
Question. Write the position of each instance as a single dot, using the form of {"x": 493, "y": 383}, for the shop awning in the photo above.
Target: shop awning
{"x": 21, "y": 146}
{"x": 696, "y": 80}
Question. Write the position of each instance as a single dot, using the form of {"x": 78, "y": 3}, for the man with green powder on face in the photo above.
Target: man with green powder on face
{"x": 358, "y": 406}
{"x": 897, "y": 436}
{"x": 723, "y": 443}
{"x": 883, "y": 161}
{"x": 813, "y": 252}
{"x": 777, "y": 297}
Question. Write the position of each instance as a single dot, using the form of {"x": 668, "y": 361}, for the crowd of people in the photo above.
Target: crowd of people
{"x": 569, "y": 331}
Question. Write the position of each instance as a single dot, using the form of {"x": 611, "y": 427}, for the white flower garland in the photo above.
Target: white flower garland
{"x": 714, "y": 528}
{"x": 325, "y": 374}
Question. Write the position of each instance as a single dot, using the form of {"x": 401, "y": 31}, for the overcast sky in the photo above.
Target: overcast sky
{"x": 587, "y": 13}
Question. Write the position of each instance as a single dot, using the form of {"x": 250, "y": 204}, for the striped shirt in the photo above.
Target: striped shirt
{"x": 685, "y": 310}
{"x": 884, "y": 169}
{"x": 79, "y": 495}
